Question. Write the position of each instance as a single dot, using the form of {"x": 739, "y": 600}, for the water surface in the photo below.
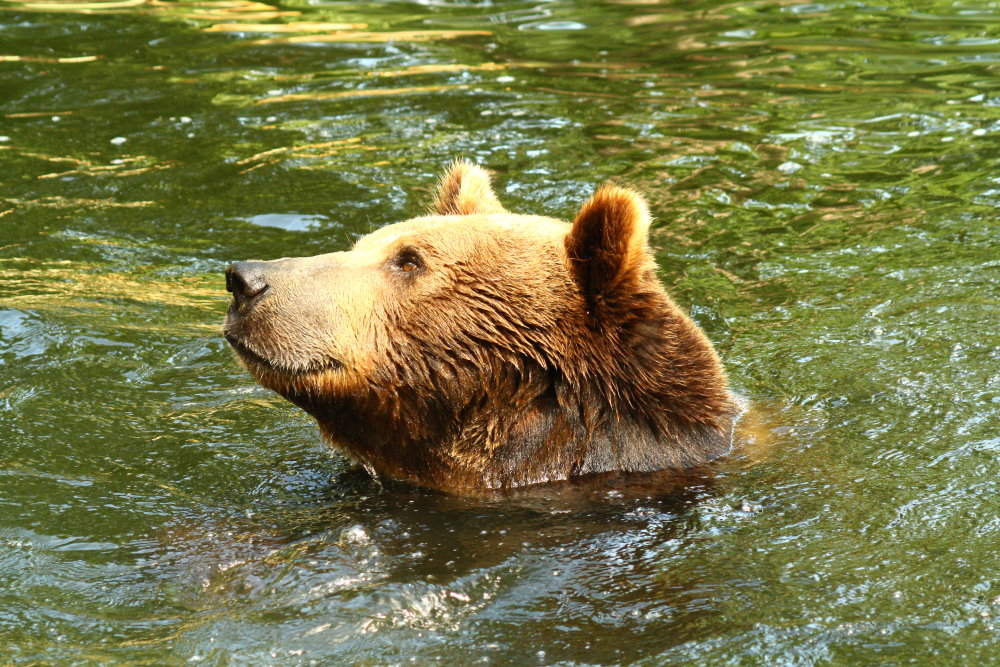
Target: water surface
{"x": 825, "y": 182}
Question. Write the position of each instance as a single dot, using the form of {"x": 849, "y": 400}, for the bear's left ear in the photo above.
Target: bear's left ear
{"x": 607, "y": 247}
{"x": 465, "y": 190}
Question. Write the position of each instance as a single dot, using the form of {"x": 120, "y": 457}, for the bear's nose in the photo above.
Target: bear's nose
{"x": 246, "y": 281}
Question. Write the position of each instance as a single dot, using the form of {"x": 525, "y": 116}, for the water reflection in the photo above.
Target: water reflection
{"x": 368, "y": 36}
{"x": 204, "y": 10}
{"x": 823, "y": 179}
{"x": 430, "y": 560}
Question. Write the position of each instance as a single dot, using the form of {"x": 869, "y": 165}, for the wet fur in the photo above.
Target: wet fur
{"x": 543, "y": 358}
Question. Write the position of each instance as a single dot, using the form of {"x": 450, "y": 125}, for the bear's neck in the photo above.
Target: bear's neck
{"x": 561, "y": 433}
{"x": 545, "y": 430}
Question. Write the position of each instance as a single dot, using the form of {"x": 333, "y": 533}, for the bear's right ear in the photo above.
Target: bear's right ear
{"x": 608, "y": 249}
{"x": 465, "y": 190}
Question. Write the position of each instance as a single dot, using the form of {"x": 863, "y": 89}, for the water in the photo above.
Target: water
{"x": 825, "y": 182}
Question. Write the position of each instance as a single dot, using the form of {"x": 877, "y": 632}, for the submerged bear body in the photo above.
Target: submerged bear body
{"x": 475, "y": 349}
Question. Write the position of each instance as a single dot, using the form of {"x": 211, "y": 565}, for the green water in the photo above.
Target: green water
{"x": 825, "y": 179}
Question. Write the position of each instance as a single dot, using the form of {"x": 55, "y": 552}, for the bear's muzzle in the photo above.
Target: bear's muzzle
{"x": 283, "y": 318}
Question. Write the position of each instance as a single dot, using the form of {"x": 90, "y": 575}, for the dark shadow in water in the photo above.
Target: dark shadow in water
{"x": 396, "y": 533}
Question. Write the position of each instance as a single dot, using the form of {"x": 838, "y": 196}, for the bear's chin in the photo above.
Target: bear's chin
{"x": 260, "y": 365}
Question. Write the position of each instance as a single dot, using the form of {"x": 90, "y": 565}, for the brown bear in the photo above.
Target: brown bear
{"x": 474, "y": 348}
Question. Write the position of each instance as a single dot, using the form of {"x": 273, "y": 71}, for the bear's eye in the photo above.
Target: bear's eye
{"x": 407, "y": 261}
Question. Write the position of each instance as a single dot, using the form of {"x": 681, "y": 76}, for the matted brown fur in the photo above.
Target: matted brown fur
{"x": 474, "y": 348}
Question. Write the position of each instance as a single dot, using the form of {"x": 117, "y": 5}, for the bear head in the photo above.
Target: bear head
{"x": 474, "y": 348}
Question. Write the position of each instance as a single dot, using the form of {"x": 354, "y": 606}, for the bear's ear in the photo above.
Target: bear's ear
{"x": 465, "y": 190}
{"x": 607, "y": 247}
